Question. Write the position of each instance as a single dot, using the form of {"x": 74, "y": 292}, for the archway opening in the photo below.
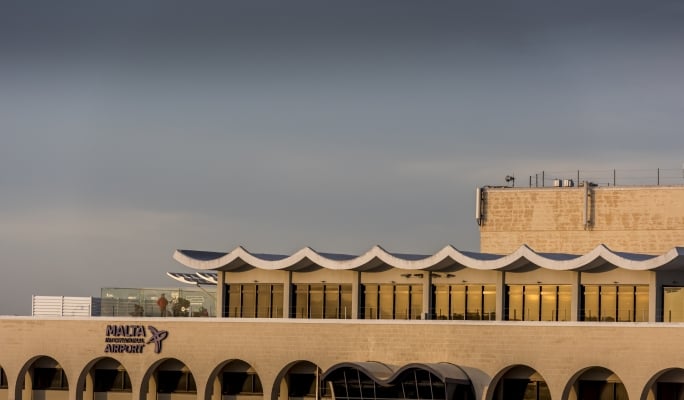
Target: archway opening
{"x": 238, "y": 378}
{"x": 300, "y": 380}
{"x": 597, "y": 383}
{"x": 109, "y": 380}
{"x": 4, "y": 384}
{"x": 44, "y": 379}
{"x": 173, "y": 380}
{"x": 442, "y": 381}
{"x": 667, "y": 385}
{"x": 521, "y": 383}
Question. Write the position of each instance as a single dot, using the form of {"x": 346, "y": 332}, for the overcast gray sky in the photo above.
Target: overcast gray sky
{"x": 131, "y": 129}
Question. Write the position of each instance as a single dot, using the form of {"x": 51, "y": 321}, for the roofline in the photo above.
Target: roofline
{"x": 447, "y": 258}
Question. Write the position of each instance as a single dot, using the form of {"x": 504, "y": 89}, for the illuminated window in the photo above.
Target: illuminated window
{"x": 614, "y": 303}
{"x": 254, "y": 300}
{"x": 390, "y": 301}
{"x": 673, "y": 304}
{"x": 332, "y": 301}
{"x": 538, "y": 302}
{"x": 474, "y": 302}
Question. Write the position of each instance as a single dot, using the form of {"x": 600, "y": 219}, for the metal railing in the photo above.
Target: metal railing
{"x": 608, "y": 177}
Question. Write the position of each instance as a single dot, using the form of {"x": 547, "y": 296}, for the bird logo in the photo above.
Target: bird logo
{"x": 157, "y": 338}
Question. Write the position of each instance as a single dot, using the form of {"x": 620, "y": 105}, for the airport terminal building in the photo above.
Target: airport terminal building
{"x": 577, "y": 293}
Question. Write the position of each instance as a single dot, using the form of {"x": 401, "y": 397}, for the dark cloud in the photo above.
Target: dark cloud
{"x": 132, "y": 128}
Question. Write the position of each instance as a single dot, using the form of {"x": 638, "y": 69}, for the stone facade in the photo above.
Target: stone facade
{"x": 637, "y": 354}
{"x": 643, "y": 219}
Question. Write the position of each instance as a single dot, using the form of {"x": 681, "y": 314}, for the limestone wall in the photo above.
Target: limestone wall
{"x": 636, "y": 353}
{"x": 644, "y": 219}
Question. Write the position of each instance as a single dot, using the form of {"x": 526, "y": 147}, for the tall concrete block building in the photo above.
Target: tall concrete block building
{"x": 576, "y": 219}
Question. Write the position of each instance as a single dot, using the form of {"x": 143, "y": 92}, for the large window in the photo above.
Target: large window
{"x": 525, "y": 389}
{"x": 49, "y": 379}
{"x": 599, "y": 390}
{"x": 176, "y": 382}
{"x": 538, "y": 302}
{"x": 332, "y": 301}
{"x": 673, "y": 304}
{"x": 390, "y": 301}
{"x": 112, "y": 380}
{"x": 476, "y": 302}
{"x": 235, "y": 383}
{"x": 301, "y": 385}
{"x": 254, "y": 300}
{"x": 351, "y": 384}
{"x": 610, "y": 303}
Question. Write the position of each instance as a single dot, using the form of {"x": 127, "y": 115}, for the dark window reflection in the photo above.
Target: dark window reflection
{"x": 175, "y": 382}
{"x": 111, "y": 380}
{"x": 234, "y": 383}
{"x": 49, "y": 379}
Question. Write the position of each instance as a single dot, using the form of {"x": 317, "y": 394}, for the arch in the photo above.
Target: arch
{"x": 106, "y": 376}
{"x": 517, "y": 382}
{"x": 412, "y": 381}
{"x": 168, "y": 378}
{"x": 233, "y": 377}
{"x": 666, "y": 384}
{"x": 593, "y": 382}
{"x": 298, "y": 380}
{"x": 40, "y": 376}
{"x": 4, "y": 384}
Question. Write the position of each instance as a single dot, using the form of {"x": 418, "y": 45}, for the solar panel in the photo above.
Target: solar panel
{"x": 199, "y": 278}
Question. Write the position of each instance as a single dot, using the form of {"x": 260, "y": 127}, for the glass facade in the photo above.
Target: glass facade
{"x": 538, "y": 302}
{"x": 331, "y": 301}
{"x": 673, "y": 304}
{"x": 465, "y": 302}
{"x": 186, "y": 302}
{"x": 254, "y": 300}
{"x": 392, "y": 301}
{"x": 611, "y": 303}
{"x": 352, "y": 384}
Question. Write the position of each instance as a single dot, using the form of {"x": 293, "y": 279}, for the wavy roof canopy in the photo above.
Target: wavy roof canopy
{"x": 446, "y": 259}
